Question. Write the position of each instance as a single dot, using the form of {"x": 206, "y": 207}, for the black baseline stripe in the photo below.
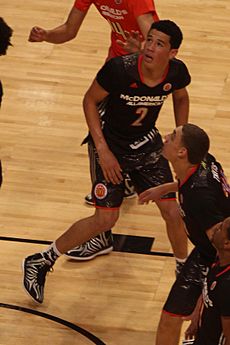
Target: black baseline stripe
{"x": 56, "y": 319}
{"x": 24, "y": 240}
{"x": 145, "y": 252}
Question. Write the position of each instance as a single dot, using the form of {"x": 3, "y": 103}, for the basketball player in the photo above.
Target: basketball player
{"x": 204, "y": 196}
{"x": 135, "y": 88}
{"x": 127, "y": 18}
{"x": 5, "y": 35}
{"x": 214, "y": 326}
{"x": 129, "y": 21}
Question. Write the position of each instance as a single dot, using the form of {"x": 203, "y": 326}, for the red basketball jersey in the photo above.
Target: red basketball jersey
{"x": 121, "y": 15}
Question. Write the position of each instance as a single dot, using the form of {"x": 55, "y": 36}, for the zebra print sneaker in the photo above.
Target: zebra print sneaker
{"x": 99, "y": 245}
{"x": 35, "y": 268}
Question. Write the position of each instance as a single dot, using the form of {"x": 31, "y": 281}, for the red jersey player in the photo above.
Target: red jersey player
{"x": 124, "y": 17}
{"x": 128, "y": 19}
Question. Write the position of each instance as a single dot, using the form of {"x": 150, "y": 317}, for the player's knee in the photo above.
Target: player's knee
{"x": 106, "y": 220}
{"x": 169, "y": 322}
{"x": 170, "y": 212}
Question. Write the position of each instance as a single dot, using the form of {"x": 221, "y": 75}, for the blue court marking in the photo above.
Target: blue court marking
{"x": 53, "y": 318}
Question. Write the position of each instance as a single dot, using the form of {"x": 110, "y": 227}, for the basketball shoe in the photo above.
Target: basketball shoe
{"x": 99, "y": 245}
{"x": 35, "y": 268}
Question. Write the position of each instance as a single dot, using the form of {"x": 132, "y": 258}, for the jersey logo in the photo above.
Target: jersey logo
{"x": 215, "y": 172}
{"x": 225, "y": 185}
{"x": 142, "y": 100}
{"x": 167, "y": 87}
{"x": 219, "y": 176}
{"x": 100, "y": 191}
{"x": 113, "y": 13}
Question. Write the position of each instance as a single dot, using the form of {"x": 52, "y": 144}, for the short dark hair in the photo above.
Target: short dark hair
{"x": 171, "y": 29}
{"x": 196, "y": 141}
{"x": 5, "y": 34}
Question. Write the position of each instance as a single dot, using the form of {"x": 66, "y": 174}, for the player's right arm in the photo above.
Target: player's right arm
{"x": 62, "y": 33}
{"x": 108, "y": 162}
{"x": 155, "y": 193}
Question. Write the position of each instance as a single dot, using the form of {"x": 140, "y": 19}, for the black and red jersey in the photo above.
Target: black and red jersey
{"x": 205, "y": 200}
{"x": 216, "y": 299}
{"x": 132, "y": 107}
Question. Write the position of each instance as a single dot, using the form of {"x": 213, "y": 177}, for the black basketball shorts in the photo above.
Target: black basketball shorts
{"x": 188, "y": 286}
{"x": 146, "y": 170}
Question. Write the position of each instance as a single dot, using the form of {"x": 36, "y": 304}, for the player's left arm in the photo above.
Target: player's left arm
{"x": 226, "y": 328}
{"x": 181, "y": 106}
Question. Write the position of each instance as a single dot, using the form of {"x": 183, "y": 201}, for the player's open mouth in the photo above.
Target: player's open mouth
{"x": 148, "y": 58}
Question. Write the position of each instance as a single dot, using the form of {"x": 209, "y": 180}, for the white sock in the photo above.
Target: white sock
{"x": 52, "y": 252}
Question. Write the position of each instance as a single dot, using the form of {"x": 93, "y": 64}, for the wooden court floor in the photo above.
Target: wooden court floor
{"x": 115, "y": 299}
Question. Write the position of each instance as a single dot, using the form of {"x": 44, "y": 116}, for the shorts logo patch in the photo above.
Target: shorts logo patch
{"x": 167, "y": 87}
{"x": 100, "y": 191}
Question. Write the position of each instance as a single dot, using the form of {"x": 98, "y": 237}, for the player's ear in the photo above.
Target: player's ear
{"x": 173, "y": 53}
{"x": 182, "y": 152}
{"x": 227, "y": 244}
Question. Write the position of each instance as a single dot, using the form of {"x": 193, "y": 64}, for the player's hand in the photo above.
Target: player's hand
{"x": 212, "y": 231}
{"x": 132, "y": 43}
{"x": 191, "y": 331}
{"x": 110, "y": 167}
{"x": 37, "y": 34}
{"x": 195, "y": 317}
{"x": 151, "y": 194}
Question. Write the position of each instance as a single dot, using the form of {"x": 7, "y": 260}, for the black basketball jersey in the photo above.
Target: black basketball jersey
{"x": 205, "y": 200}
{"x": 216, "y": 299}
{"x": 132, "y": 107}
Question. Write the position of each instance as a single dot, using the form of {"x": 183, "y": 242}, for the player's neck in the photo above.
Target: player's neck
{"x": 184, "y": 170}
{"x": 153, "y": 75}
{"x": 224, "y": 258}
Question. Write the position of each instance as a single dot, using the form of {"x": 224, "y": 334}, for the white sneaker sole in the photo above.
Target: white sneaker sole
{"x": 87, "y": 258}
